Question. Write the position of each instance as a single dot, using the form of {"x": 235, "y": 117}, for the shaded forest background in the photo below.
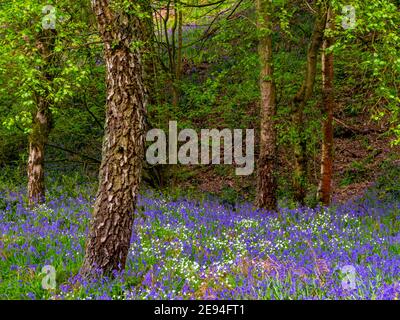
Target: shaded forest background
{"x": 206, "y": 76}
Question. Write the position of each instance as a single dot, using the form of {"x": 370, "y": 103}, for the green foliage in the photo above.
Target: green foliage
{"x": 355, "y": 173}
{"x": 387, "y": 184}
{"x": 74, "y": 93}
{"x": 374, "y": 44}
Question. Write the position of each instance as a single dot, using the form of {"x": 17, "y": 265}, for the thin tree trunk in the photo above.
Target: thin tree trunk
{"x": 299, "y": 102}
{"x": 42, "y": 124}
{"x": 148, "y": 53}
{"x": 37, "y": 141}
{"x": 180, "y": 42}
{"x": 325, "y": 186}
{"x": 123, "y": 146}
{"x": 267, "y": 162}
{"x": 155, "y": 173}
{"x": 177, "y": 55}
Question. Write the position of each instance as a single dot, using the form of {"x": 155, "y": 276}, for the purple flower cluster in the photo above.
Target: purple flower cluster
{"x": 204, "y": 250}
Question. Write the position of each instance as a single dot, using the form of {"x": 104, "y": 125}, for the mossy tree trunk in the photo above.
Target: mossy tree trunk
{"x": 42, "y": 121}
{"x": 37, "y": 142}
{"x": 267, "y": 162}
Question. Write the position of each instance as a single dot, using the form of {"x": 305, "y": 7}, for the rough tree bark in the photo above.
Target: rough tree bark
{"x": 325, "y": 185}
{"x": 42, "y": 123}
{"x": 123, "y": 146}
{"x": 299, "y": 102}
{"x": 267, "y": 161}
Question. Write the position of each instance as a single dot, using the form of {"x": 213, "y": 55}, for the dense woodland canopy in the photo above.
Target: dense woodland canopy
{"x": 81, "y": 82}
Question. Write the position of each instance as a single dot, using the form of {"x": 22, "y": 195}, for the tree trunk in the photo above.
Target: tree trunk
{"x": 37, "y": 141}
{"x": 325, "y": 186}
{"x": 42, "y": 123}
{"x": 148, "y": 53}
{"x": 180, "y": 44}
{"x": 299, "y": 102}
{"x": 123, "y": 146}
{"x": 267, "y": 162}
{"x": 177, "y": 55}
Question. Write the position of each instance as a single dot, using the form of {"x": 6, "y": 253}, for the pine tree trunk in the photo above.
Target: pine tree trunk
{"x": 267, "y": 162}
{"x": 123, "y": 146}
{"x": 325, "y": 186}
{"x": 299, "y": 103}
